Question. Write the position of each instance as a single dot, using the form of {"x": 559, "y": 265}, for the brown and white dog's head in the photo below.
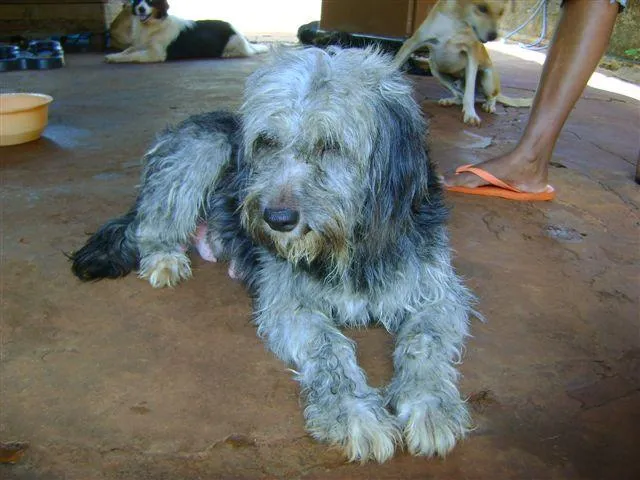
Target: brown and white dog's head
{"x": 150, "y": 10}
{"x": 483, "y": 16}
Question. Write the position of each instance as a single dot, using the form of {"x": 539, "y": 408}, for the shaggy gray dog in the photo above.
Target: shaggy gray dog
{"x": 322, "y": 195}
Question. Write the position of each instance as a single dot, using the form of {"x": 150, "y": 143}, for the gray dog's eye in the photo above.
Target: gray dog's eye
{"x": 264, "y": 141}
{"x": 326, "y": 146}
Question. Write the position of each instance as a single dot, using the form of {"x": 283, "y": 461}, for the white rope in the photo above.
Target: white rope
{"x": 540, "y": 8}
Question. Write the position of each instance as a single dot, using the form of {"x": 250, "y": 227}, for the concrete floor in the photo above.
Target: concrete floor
{"x": 116, "y": 380}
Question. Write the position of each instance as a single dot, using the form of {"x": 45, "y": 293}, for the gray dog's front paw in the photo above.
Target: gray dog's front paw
{"x": 433, "y": 426}
{"x": 165, "y": 269}
{"x": 365, "y": 433}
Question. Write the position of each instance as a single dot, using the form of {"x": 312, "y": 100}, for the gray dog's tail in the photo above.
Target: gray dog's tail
{"x": 111, "y": 252}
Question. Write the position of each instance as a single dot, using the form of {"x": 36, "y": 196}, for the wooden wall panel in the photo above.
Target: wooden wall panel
{"x": 392, "y": 18}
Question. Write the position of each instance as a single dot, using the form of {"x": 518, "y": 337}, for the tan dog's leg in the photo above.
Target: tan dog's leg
{"x": 449, "y": 83}
{"x": 419, "y": 38}
{"x": 408, "y": 47}
{"x": 468, "y": 100}
{"x": 450, "y": 101}
{"x": 490, "y": 83}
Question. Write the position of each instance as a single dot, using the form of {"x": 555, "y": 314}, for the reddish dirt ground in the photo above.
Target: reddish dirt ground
{"x": 116, "y": 380}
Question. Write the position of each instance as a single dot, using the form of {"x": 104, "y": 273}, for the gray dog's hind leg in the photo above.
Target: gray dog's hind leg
{"x": 341, "y": 409}
{"x": 180, "y": 171}
{"x": 423, "y": 392}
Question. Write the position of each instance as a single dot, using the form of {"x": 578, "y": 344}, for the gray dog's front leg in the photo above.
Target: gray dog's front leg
{"x": 341, "y": 408}
{"x": 183, "y": 166}
{"x": 423, "y": 392}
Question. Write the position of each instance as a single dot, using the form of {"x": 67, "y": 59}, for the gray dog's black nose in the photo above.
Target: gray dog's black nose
{"x": 492, "y": 36}
{"x": 281, "y": 219}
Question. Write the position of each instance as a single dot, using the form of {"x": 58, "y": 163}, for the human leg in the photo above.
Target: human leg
{"x": 581, "y": 39}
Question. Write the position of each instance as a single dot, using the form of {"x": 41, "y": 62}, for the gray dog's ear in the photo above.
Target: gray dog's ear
{"x": 398, "y": 172}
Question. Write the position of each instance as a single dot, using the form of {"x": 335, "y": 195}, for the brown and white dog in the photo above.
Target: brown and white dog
{"x": 454, "y": 32}
{"x": 158, "y": 37}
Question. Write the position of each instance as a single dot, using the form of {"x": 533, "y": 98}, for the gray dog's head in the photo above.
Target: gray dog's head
{"x": 333, "y": 142}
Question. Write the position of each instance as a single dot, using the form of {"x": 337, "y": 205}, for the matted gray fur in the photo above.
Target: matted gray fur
{"x": 322, "y": 195}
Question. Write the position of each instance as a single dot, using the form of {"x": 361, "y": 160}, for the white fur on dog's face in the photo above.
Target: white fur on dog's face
{"x": 143, "y": 10}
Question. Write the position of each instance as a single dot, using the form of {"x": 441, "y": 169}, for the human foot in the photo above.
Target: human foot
{"x": 519, "y": 171}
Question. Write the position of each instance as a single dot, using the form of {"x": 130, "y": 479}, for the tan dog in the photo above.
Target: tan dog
{"x": 454, "y": 31}
{"x": 121, "y": 29}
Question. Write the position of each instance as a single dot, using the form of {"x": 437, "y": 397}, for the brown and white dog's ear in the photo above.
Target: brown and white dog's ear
{"x": 161, "y": 8}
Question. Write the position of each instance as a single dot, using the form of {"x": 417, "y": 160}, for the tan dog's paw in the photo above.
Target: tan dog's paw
{"x": 111, "y": 58}
{"x": 471, "y": 118}
{"x": 449, "y": 101}
{"x": 489, "y": 106}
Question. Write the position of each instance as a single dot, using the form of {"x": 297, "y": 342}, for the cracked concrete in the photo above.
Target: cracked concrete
{"x": 116, "y": 380}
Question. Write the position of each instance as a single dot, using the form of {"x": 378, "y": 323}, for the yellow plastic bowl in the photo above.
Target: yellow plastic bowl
{"x": 23, "y": 117}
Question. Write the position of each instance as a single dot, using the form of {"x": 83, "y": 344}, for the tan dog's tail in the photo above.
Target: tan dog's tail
{"x": 514, "y": 102}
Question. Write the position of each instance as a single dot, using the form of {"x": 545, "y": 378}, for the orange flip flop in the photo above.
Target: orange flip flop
{"x": 500, "y": 189}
